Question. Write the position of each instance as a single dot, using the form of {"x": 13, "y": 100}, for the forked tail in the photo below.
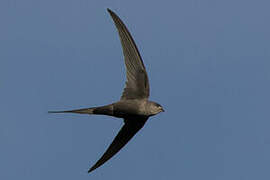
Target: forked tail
{"x": 79, "y": 111}
{"x": 103, "y": 110}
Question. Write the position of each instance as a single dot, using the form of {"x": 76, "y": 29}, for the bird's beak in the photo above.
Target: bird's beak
{"x": 162, "y": 110}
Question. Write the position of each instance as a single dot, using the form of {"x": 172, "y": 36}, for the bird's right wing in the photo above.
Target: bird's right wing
{"x": 137, "y": 85}
{"x": 129, "y": 129}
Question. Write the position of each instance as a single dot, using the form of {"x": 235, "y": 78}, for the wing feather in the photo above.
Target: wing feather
{"x": 129, "y": 129}
{"x": 137, "y": 84}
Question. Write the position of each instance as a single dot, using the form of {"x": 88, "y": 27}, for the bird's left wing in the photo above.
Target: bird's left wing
{"x": 129, "y": 129}
{"x": 137, "y": 84}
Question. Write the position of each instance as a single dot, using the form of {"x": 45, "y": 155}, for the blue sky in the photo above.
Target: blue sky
{"x": 208, "y": 65}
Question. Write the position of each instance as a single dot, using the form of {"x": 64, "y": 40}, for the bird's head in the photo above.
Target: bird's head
{"x": 155, "y": 108}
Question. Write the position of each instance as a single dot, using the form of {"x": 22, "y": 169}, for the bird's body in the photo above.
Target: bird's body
{"x": 134, "y": 106}
{"x": 120, "y": 109}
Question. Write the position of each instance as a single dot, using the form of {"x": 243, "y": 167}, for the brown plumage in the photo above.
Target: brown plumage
{"x": 134, "y": 106}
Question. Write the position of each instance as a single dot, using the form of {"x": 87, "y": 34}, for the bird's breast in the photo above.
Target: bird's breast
{"x": 128, "y": 108}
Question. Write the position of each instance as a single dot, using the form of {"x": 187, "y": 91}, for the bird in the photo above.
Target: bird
{"x": 134, "y": 106}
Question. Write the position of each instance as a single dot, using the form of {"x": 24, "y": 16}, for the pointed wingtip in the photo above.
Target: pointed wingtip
{"x": 111, "y": 12}
{"x": 92, "y": 169}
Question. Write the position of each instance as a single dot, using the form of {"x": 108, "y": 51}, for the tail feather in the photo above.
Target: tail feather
{"x": 80, "y": 111}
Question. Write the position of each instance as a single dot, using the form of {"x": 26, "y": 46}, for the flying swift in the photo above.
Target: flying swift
{"x": 133, "y": 107}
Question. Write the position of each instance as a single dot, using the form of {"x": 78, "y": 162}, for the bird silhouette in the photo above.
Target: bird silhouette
{"x": 133, "y": 106}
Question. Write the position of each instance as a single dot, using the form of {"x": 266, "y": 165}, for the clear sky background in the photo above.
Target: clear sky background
{"x": 208, "y": 63}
